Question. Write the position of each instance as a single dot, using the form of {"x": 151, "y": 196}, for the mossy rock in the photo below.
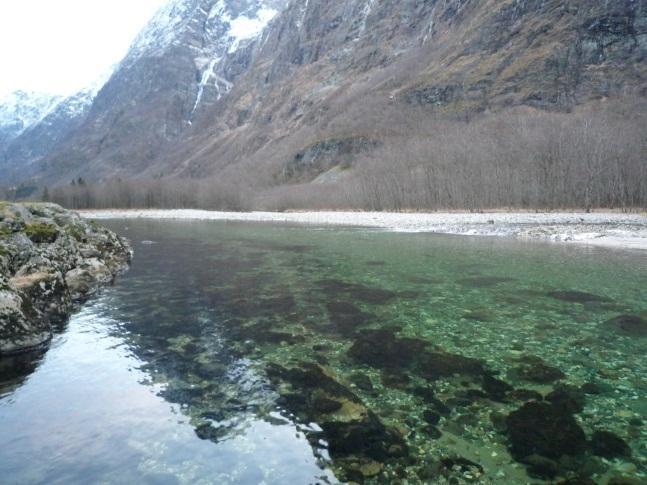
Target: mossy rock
{"x": 77, "y": 232}
{"x": 36, "y": 210}
{"x": 40, "y": 232}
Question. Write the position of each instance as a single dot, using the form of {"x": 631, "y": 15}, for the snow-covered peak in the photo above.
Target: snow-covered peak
{"x": 20, "y": 110}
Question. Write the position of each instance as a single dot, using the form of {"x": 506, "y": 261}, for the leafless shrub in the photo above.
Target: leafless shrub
{"x": 168, "y": 193}
{"x": 523, "y": 158}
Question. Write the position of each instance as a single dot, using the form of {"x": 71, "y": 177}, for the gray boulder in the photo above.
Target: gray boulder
{"x": 50, "y": 259}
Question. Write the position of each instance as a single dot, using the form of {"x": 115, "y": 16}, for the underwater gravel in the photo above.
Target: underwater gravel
{"x": 609, "y": 229}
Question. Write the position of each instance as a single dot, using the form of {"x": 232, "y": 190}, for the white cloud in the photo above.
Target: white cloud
{"x": 62, "y": 46}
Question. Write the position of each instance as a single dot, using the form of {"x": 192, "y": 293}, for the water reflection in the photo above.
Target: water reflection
{"x": 85, "y": 416}
{"x": 235, "y": 353}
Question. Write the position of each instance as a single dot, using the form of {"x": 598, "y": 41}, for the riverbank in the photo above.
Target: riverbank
{"x": 608, "y": 229}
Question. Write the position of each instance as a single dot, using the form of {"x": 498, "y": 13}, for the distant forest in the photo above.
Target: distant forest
{"x": 520, "y": 158}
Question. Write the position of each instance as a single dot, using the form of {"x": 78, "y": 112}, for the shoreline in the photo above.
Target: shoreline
{"x": 603, "y": 229}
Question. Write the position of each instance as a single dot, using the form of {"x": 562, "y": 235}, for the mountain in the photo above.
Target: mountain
{"x": 276, "y": 92}
{"x": 21, "y": 110}
{"x": 21, "y": 153}
{"x": 187, "y": 58}
{"x": 44, "y": 122}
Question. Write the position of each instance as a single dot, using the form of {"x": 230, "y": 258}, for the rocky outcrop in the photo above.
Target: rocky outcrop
{"x": 50, "y": 259}
{"x": 324, "y": 155}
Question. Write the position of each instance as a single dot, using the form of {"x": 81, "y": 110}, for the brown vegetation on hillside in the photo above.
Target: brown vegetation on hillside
{"x": 520, "y": 158}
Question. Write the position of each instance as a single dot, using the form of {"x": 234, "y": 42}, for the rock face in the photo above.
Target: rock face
{"x": 218, "y": 86}
{"x": 50, "y": 259}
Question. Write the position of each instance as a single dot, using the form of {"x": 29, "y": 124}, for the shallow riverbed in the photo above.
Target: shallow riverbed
{"x": 256, "y": 353}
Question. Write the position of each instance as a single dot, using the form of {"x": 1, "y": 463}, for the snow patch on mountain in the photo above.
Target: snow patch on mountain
{"x": 211, "y": 30}
{"x": 366, "y": 11}
{"x": 244, "y": 28}
{"x": 228, "y": 27}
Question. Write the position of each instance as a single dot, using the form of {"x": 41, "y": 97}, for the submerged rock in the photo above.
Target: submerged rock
{"x": 345, "y": 317}
{"x": 339, "y": 289}
{"x": 535, "y": 370}
{"x": 384, "y": 350}
{"x": 50, "y": 258}
{"x": 357, "y": 439}
{"x": 540, "y": 428}
{"x": 577, "y": 296}
{"x": 570, "y": 398}
{"x": 630, "y": 324}
{"x": 608, "y": 445}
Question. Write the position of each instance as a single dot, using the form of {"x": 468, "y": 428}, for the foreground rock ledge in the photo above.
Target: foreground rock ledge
{"x": 50, "y": 259}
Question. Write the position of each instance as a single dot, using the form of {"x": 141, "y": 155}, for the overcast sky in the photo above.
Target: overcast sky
{"x": 61, "y": 46}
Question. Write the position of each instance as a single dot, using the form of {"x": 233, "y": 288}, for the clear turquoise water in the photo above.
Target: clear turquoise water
{"x": 256, "y": 353}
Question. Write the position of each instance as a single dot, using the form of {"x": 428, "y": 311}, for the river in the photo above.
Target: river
{"x": 257, "y": 353}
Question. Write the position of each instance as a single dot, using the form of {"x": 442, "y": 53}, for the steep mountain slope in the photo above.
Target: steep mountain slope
{"x": 20, "y": 155}
{"x": 206, "y": 91}
{"x": 329, "y": 70}
{"x": 186, "y": 58}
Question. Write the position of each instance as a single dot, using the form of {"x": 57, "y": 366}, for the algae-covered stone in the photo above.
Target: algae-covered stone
{"x": 633, "y": 325}
{"x": 49, "y": 258}
{"x": 384, "y": 350}
{"x": 41, "y": 232}
{"x": 609, "y": 445}
{"x": 577, "y": 296}
{"x": 540, "y": 428}
{"x": 357, "y": 439}
{"x": 534, "y": 369}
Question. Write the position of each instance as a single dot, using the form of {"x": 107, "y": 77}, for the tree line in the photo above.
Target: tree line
{"x": 521, "y": 158}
